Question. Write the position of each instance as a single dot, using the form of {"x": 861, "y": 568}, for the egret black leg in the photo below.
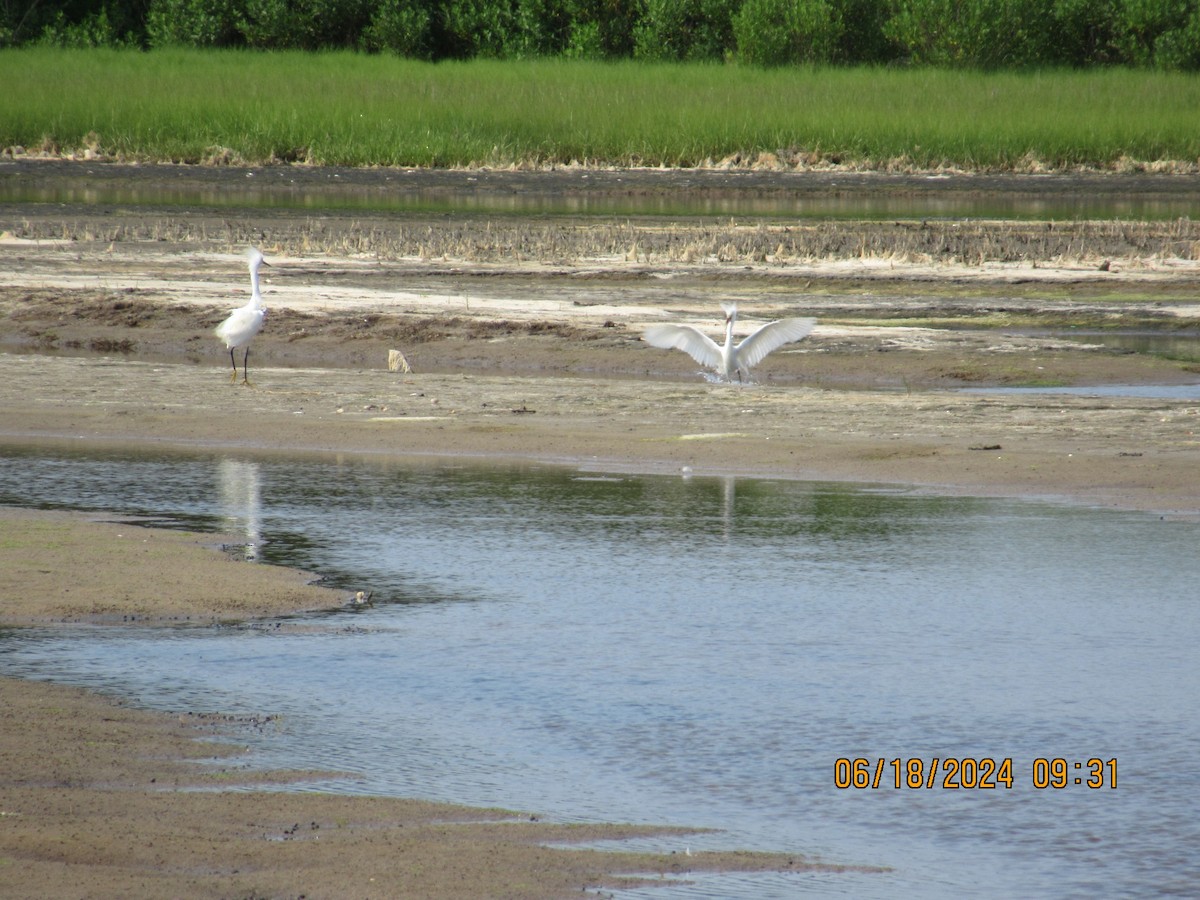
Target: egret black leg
{"x": 233, "y": 362}
{"x": 245, "y": 370}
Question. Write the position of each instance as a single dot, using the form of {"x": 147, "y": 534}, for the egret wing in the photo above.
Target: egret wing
{"x": 695, "y": 343}
{"x": 754, "y": 349}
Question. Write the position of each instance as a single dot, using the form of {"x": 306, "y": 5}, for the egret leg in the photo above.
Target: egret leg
{"x": 233, "y": 377}
{"x": 245, "y": 371}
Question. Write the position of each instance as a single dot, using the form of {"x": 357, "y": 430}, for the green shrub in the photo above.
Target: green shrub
{"x": 602, "y": 29}
{"x": 96, "y": 28}
{"x": 471, "y": 28}
{"x": 338, "y": 23}
{"x": 985, "y": 34}
{"x": 863, "y": 39}
{"x": 540, "y": 28}
{"x": 787, "y": 32}
{"x": 685, "y": 30}
{"x": 275, "y": 25}
{"x": 1081, "y": 33}
{"x": 401, "y": 27}
{"x": 1179, "y": 48}
{"x": 961, "y": 34}
{"x": 194, "y": 23}
{"x": 20, "y": 22}
{"x": 1139, "y": 25}
{"x": 308, "y": 25}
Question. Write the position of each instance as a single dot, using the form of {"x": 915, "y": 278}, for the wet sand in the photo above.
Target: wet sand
{"x": 105, "y": 341}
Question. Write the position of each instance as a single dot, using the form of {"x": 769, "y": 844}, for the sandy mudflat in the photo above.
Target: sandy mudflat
{"x": 1122, "y": 451}
{"x": 58, "y": 567}
{"x": 528, "y": 354}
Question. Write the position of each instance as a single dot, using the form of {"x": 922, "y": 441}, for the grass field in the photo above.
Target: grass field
{"x": 357, "y": 110}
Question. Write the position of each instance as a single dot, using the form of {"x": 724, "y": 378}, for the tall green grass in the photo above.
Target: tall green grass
{"x": 350, "y": 109}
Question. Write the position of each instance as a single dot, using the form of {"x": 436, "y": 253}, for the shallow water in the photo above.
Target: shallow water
{"x": 1183, "y": 346}
{"x": 694, "y": 651}
{"x": 879, "y": 206}
{"x": 682, "y": 192}
{"x": 1145, "y": 391}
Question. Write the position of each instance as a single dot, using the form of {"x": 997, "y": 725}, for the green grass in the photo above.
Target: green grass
{"x": 351, "y": 109}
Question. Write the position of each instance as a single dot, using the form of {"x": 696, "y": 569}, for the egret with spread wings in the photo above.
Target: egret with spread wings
{"x": 730, "y": 359}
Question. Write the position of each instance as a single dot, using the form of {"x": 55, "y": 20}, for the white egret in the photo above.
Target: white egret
{"x": 245, "y": 321}
{"x": 730, "y": 358}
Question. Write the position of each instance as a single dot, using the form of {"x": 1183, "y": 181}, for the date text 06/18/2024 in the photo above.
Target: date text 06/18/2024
{"x": 983, "y": 773}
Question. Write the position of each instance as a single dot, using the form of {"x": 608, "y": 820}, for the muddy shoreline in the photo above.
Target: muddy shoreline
{"x": 98, "y": 798}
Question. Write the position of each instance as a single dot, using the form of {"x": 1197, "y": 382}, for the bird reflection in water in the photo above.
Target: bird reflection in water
{"x": 239, "y": 488}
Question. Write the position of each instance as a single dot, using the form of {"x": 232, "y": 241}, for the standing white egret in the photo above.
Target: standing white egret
{"x": 731, "y": 358}
{"x": 245, "y": 321}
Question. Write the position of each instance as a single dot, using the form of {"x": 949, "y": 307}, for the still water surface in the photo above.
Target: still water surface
{"x": 697, "y": 652}
{"x": 673, "y": 193}
{"x": 867, "y": 206}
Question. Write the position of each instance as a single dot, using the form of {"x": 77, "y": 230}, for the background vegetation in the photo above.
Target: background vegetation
{"x": 350, "y": 108}
{"x": 982, "y": 34}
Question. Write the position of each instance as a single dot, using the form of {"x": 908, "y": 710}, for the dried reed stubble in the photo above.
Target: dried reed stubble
{"x": 486, "y": 240}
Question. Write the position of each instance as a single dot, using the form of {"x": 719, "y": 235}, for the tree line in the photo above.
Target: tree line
{"x": 976, "y": 34}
